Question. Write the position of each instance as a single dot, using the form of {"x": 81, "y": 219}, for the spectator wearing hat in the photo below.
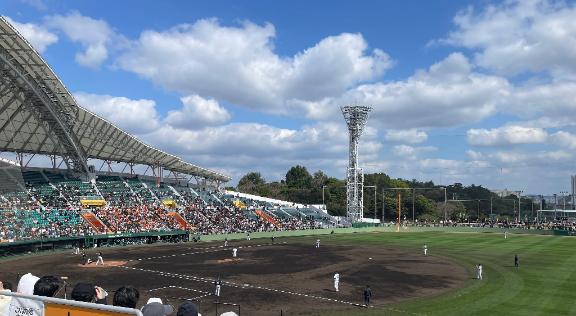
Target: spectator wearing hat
{"x": 126, "y": 296}
{"x": 87, "y": 292}
{"x": 47, "y": 286}
{"x": 26, "y": 284}
{"x": 154, "y": 307}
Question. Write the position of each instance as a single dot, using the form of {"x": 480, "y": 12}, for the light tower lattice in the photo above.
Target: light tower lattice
{"x": 356, "y": 117}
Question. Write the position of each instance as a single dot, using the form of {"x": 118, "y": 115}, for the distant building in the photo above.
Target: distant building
{"x": 505, "y": 192}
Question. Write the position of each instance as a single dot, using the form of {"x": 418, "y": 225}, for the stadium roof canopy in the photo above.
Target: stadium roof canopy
{"x": 38, "y": 115}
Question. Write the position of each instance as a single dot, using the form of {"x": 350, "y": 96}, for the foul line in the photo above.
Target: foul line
{"x": 210, "y": 250}
{"x": 242, "y": 286}
{"x": 178, "y": 287}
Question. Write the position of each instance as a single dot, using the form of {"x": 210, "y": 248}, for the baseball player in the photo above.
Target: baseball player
{"x": 226, "y": 242}
{"x": 248, "y": 236}
{"x": 425, "y": 250}
{"x": 505, "y": 235}
{"x": 317, "y": 243}
{"x": 516, "y": 261}
{"x": 336, "y": 281}
{"x": 234, "y": 252}
{"x": 218, "y": 285}
{"x": 367, "y": 295}
{"x": 100, "y": 260}
{"x": 480, "y": 271}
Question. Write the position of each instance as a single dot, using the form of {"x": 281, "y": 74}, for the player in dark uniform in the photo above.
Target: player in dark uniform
{"x": 367, "y": 295}
{"x": 217, "y": 287}
{"x": 516, "y": 261}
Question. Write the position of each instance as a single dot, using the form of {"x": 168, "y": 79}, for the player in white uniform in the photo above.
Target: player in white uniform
{"x": 336, "y": 281}
{"x": 226, "y": 242}
{"x": 317, "y": 243}
{"x": 100, "y": 260}
{"x": 234, "y": 252}
{"x": 218, "y": 285}
{"x": 425, "y": 250}
{"x": 505, "y": 235}
{"x": 480, "y": 272}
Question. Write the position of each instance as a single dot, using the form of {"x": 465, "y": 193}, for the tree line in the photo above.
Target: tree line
{"x": 423, "y": 200}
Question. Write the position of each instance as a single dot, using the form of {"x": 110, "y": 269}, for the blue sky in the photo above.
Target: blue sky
{"x": 475, "y": 92}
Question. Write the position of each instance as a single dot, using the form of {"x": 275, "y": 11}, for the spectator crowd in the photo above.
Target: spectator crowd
{"x": 125, "y": 296}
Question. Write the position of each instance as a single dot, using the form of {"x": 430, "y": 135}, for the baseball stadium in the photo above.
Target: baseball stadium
{"x": 95, "y": 221}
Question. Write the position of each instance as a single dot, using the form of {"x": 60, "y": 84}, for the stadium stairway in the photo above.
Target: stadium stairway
{"x": 180, "y": 220}
{"x": 268, "y": 218}
{"x": 95, "y": 222}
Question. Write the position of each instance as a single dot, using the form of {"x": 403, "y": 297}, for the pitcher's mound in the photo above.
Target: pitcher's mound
{"x": 109, "y": 263}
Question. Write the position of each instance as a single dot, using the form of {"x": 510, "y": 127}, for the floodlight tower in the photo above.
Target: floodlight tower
{"x": 356, "y": 117}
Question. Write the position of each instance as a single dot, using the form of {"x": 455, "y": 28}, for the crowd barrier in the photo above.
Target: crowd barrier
{"x": 32, "y": 305}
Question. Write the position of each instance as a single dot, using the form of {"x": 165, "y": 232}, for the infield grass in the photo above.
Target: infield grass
{"x": 545, "y": 283}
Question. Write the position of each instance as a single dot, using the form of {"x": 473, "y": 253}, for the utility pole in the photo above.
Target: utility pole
{"x": 445, "y": 211}
{"x": 413, "y": 207}
{"x": 373, "y": 186}
{"x": 375, "y": 202}
{"x": 555, "y": 205}
{"x": 478, "y": 211}
{"x": 383, "y": 205}
{"x": 519, "y": 204}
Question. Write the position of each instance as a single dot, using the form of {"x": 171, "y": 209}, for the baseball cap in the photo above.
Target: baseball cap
{"x": 26, "y": 284}
{"x": 154, "y": 300}
{"x": 157, "y": 309}
{"x": 187, "y": 309}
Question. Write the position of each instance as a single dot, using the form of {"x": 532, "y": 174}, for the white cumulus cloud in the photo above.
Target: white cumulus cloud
{"x": 93, "y": 34}
{"x": 520, "y": 36}
{"x": 197, "y": 112}
{"x": 134, "y": 116}
{"x": 410, "y": 136}
{"x": 449, "y": 93}
{"x": 238, "y": 64}
{"x": 506, "y": 135}
{"x": 411, "y": 152}
{"x": 37, "y": 35}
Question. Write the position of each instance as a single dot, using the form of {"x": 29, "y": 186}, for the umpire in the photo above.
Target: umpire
{"x": 367, "y": 295}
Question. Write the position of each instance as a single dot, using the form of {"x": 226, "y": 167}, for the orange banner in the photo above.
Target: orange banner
{"x": 64, "y": 310}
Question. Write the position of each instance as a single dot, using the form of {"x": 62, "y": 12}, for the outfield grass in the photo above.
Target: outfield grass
{"x": 545, "y": 283}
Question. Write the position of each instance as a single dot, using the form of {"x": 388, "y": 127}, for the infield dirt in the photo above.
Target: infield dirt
{"x": 290, "y": 275}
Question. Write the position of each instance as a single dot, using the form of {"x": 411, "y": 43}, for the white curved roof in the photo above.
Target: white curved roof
{"x": 39, "y": 115}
